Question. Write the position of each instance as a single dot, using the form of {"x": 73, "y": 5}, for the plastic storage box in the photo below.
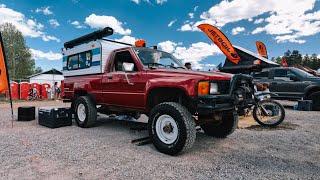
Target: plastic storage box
{"x": 54, "y": 117}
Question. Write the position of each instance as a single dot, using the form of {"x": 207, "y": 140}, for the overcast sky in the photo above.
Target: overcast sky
{"x": 170, "y": 24}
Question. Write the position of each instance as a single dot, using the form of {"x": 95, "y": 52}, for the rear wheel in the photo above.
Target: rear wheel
{"x": 223, "y": 126}
{"x": 171, "y": 128}
{"x": 85, "y": 111}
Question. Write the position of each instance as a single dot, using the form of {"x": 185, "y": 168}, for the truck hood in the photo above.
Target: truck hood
{"x": 189, "y": 74}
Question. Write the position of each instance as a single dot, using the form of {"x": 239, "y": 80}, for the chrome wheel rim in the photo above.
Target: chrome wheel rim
{"x": 81, "y": 112}
{"x": 167, "y": 129}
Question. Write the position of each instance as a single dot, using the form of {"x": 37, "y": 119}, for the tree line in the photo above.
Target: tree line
{"x": 19, "y": 59}
{"x": 295, "y": 58}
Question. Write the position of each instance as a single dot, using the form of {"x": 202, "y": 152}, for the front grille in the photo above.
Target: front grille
{"x": 223, "y": 87}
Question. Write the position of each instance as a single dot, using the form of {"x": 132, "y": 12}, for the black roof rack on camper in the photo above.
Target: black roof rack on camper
{"x": 99, "y": 34}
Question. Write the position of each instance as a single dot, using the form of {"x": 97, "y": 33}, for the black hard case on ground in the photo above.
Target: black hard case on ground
{"x": 55, "y": 117}
{"x": 305, "y": 105}
{"x": 26, "y": 113}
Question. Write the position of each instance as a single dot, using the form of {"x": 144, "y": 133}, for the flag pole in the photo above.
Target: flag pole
{"x": 7, "y": 73}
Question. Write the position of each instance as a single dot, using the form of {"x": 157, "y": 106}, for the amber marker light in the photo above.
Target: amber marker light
{"x": 203, "y": 88}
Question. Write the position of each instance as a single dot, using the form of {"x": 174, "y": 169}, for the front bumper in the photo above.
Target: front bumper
{"x": 207, "y": 105}
{"x": 240, "y": 94}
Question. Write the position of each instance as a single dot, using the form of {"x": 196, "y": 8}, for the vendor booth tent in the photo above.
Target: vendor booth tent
{"x": 250, "y": 62}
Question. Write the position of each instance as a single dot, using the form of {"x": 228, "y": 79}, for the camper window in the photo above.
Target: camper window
{"x": 80, "y": 61}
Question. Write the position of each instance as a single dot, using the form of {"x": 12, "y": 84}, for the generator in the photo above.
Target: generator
{"x": 54, "y": 117}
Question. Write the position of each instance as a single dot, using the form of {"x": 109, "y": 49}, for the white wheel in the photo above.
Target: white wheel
{"x": 81, "y": 112}
{"x": 85, "y": 111}
{"x": 167, "y": 129}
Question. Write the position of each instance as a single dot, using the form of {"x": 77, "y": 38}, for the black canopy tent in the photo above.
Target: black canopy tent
{"x": 250, "y": 62}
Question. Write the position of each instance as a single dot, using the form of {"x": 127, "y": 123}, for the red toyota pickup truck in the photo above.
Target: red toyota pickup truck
{"x": 152, "y": 82}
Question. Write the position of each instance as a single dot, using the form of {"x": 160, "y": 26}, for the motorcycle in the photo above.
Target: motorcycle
{"x": 266, "y": 111}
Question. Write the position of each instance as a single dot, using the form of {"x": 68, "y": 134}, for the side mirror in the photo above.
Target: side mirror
{"x": 127, "y": 67}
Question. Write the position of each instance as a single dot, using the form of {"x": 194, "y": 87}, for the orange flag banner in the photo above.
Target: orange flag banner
{"x": 3, "y": 70}
{"x": 221, "y": 41}
{"x": 262, "y": 50}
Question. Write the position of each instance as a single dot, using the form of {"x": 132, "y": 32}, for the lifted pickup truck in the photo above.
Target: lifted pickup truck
{"x": 149, "y": 81}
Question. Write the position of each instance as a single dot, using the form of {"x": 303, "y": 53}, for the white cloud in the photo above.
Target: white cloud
{"x": 97, "y": 21}
{"x": 77, "y": 24}
{"x": 172, "y": 22}
{"x": 167, "y": 46}
{"x": 28, "y": 27}
{"x": 258, "y": 21}
{"x": 237, "y": 30}
{"x": 148, "y": 1}
{"x": 44, "y": 10}
{"x": 161, "y": 1}
{"x": 194, "y": 54}
{"x": 290, "y": 17}
{"x": 195, "y": 8}
{"x": 191, "y": 15}
{"x": 40, "y": 55}
{"x": 127, "y": 39}
{"x": 185, "y": 27}
{"x": 136, "y": 1}
{"x": 54, "y": 23}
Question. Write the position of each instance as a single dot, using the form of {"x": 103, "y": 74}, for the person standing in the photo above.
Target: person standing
{"x": 57, "y": 91}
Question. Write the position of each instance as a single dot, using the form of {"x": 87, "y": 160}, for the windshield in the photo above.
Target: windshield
{"x": 302, "y": 73}
{"x": 156, "y": 58}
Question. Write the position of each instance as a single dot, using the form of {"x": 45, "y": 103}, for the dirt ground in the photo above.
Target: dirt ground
{"x": 31, "y": 151}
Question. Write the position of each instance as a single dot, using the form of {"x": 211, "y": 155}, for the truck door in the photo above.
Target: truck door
{"x": 122, "y": 88}
{"x": 286, "y": 84}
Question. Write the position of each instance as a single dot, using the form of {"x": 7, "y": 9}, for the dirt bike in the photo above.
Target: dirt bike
{"x": 266, "y": 111}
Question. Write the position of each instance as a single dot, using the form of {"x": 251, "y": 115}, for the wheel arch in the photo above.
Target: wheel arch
{"x": 159, "y": 95}
{"x": 311, "y": 89}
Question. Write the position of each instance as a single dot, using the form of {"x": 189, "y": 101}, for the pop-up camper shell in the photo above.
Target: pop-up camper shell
{"x": 88, "y": 54}
{"x": 250, "y": 62}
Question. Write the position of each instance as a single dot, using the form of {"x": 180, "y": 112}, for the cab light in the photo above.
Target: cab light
{"x": 203, "y": 88}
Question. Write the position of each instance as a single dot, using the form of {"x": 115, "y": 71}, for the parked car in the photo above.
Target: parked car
{"x": 291, "y": 83}
{"x": 125, "y": 79}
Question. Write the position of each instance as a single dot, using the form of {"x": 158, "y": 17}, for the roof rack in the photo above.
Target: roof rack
{"x": 99, "y": 34}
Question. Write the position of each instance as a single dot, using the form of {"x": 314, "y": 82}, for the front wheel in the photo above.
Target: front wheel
{"x": 269, "y": 113}
{"x": 171, "y": 128}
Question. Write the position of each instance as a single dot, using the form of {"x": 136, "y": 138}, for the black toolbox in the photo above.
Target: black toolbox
{"x": 26, "y": 113}
{"x": 304, "y": 105}
{"x": 54, "y": 117}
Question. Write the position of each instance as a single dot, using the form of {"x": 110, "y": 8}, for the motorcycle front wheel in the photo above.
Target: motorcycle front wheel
{"x": 268, "y": 113}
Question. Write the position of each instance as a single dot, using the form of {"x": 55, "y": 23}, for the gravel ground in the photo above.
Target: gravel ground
{"x": 30, "y": 151}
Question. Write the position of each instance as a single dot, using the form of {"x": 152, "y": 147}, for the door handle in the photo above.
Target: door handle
{"x": 109, "y": 77}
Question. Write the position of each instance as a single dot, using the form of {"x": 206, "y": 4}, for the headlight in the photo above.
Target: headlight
{"x": 214, "y": 88}
{"x": 206, "y": 88}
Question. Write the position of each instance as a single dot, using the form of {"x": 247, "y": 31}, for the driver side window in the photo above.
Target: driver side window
{"x": 120, "y": 58}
